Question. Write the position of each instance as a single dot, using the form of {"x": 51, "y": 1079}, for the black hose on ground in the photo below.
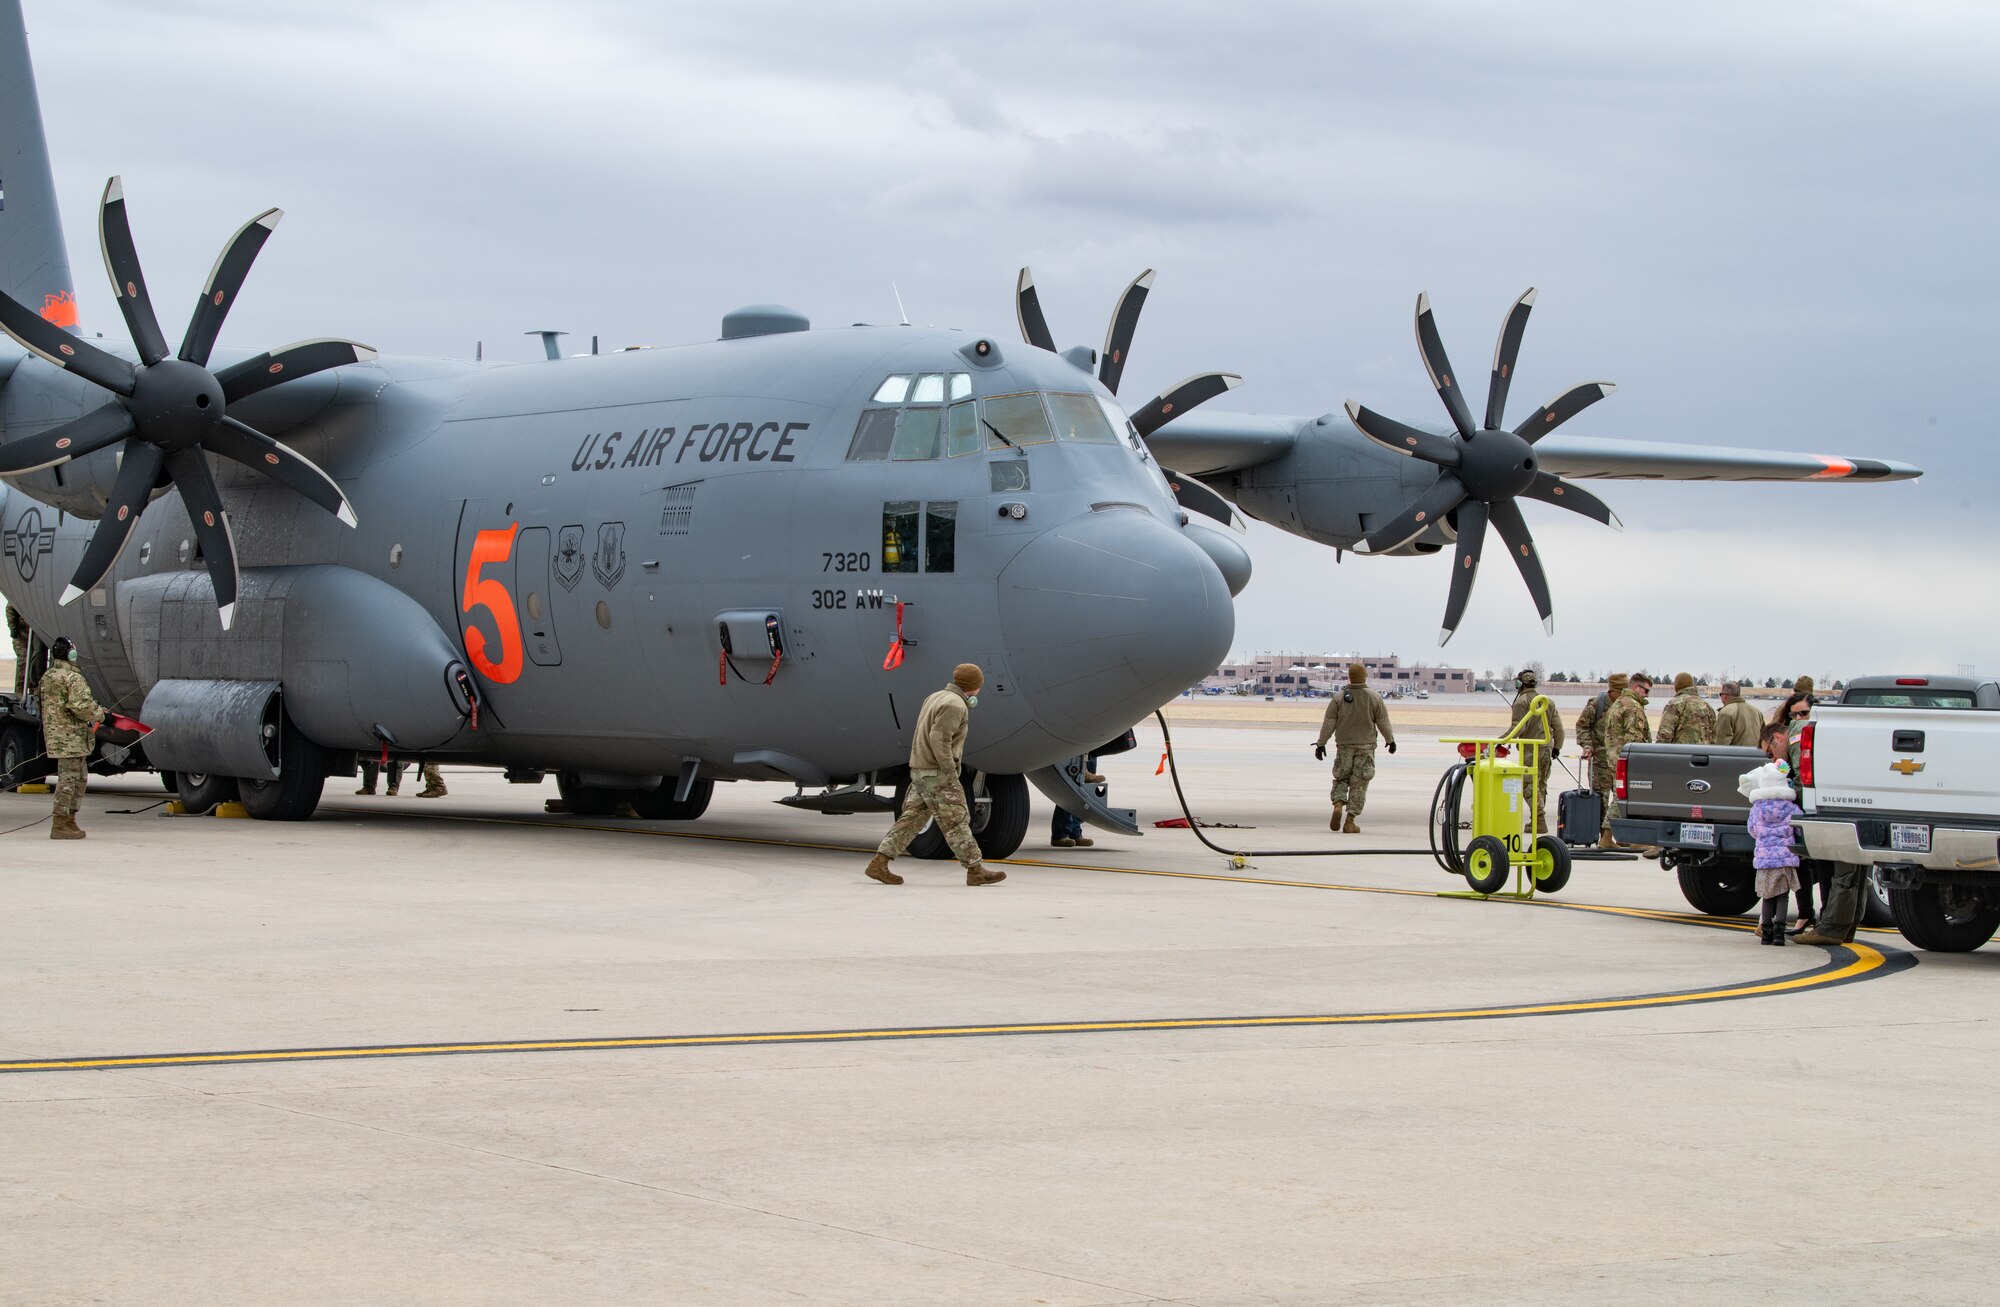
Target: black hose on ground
{"x": 1445, "y": 803}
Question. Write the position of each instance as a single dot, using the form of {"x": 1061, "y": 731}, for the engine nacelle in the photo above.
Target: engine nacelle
{"x": 1333, "y": 487}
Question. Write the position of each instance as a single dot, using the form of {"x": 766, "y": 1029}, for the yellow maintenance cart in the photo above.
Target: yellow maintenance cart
{"x": 1504, "y": 774}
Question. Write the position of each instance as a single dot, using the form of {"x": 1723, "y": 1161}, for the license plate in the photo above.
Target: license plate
{"x": 1909, "y": 839}
{"x": 1701, "y": 834}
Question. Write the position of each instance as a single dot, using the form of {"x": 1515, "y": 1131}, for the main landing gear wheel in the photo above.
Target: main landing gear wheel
{"x": 998, "y": 827}
{"x": 301, "y": 779}
{"x": 1718, "y": 891}
{"x": 1486, "y": 865}
{"x": 588, "y": 800}
{"x": 659, "y": 805}
{"x": 1551, "y": 865}
{"x": 17, "y": 748}
{"x": 1945, "y": 918}
{"x": 169, "y": 782}
{"x": 201, "y": 792}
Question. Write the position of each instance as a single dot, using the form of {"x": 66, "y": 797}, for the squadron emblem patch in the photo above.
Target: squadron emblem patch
{"x": 569, "y": 556}
{"x": 609, "y": 560}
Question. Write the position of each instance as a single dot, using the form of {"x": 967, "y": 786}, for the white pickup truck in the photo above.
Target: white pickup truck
{"x": 1912, "y": 791}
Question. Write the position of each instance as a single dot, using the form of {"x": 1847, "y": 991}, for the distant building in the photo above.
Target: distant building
{"x": 1283, "y": 673}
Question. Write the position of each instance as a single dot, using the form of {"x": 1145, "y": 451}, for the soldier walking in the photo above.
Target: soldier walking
{"x": 1353, "y": 717}
{"x": 1626, "y": 724}
{"x": 1688, "y": 719}
{"x": 1738, "y": 723}
{"x": 1525, "y": 686}
{"x": 69, "y": 717}
{"x": 937, "y": 751}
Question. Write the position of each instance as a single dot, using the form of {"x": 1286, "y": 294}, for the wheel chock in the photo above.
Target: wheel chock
{"x": 175, "y": 808}
{"x": 627, "y": 810}
{"x": 34, "y": 787}
{"x": 231, "y": 809}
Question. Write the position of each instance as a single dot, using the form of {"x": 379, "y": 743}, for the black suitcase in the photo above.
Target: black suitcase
{"x": 1579, "y": 816}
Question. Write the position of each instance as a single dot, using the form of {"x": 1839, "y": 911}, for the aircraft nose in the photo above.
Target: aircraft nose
{"x": 1107, "y": 617}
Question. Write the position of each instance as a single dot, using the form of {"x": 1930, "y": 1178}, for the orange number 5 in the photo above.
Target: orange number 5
{"x": 491, "y": 594}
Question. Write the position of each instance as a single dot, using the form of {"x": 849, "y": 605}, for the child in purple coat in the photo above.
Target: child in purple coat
{"x": 1769, "y": 789}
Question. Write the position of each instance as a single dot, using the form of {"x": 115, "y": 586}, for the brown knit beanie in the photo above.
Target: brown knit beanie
{"x": 1804, "y": 685}
{"x": 1357, "y": 674}
{"x": 1683, "y": 681}
{"x": 1616, "y": 685}
{"x": 968, "y": 677}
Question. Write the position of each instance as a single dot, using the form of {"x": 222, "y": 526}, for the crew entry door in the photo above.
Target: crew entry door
{"x": 538, "y": 609}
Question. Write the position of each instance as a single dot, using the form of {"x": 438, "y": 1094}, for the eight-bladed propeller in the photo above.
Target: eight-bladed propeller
{"x": 170, "y": 410}
{"x": 1155, "y": 413}
{"x": 1484, "y": 468}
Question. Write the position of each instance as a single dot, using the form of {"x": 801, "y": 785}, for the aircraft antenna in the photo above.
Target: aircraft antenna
{"x": 901, "y": 312}
{"x": 549, "y": 338}
{"x": 478, "y": 351}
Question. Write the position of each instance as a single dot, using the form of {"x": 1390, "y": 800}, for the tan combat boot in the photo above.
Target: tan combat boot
{"x": 432, "y": 792}
{"x": 1339, "y": 811}
{"x": 63, "y": 827}
{"x": 878, "y": 869}
{"x": 1350, "y": 828}
{"x": 980, "y": 874}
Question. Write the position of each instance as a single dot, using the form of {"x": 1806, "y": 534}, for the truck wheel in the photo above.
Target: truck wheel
{"x": 200, "y": 792}
{"x": 301, "y": 779}
{"x": 1552, "y": 865}
{"x": 1486, "y": 864}
{"x": 1719, "y": 891}
{"x": 659, "y": 805}
{"x": 17, "y": 746}
{"x": 1875, "y": 909}
{"x": 1944, "y": 918}
{"x": 587, "y": 800}
{"x": 998, "y": 828}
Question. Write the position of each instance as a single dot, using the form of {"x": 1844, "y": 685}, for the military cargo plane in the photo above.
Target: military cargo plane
{"x": 649, "y": 571}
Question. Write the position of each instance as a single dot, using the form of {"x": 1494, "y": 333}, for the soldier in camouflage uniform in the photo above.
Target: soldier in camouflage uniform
{"x": 1590, "y": 738}
{"x": 1352, "y": 719}
{"x": 1525, "y": 684}
{"x": 1738, "y": 723}
{"x": 1688, "y": 719}
{"x": 937, "y": 752}
{"x": 1626, "y": 724}
{"x": 69, "y": 716}
{"x": 17, "y": 631}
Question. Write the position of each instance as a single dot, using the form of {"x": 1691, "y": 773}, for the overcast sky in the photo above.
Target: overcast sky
{"x": 1771, "y": 225}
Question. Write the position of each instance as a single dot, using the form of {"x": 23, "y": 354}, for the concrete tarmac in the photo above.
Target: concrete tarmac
{"x": 830, "y": 1091}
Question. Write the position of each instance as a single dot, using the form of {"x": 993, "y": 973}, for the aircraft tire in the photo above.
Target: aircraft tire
{"x": 589, "y": 800}
{"x": 301, "y": 780}
{"x": 200, "y": 792}
{"x": 168, "y": 781}
{"x": 659, "y": 805}
{"x": 998, "y": 834}
{"x": 17, "y": 747}
{"x": 1945, "y": 918}
{"x": 1730, "y": 891}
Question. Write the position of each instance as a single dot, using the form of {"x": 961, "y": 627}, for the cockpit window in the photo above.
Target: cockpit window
{"x": 872, "y": 435}
{"x": 1079, "y": 418}
{"x": 916, "y": 434}
{"x": 961, "y": 385}
{"x": 928, "y": 390}
{"x": 893, "y": 390}
{"x": 961, "y": 429}
{"x": 1020, "y": 418}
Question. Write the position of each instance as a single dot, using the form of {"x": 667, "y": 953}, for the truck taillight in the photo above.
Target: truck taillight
{"x": 1805, "y": 754}
{"x": 1621, "y": 780}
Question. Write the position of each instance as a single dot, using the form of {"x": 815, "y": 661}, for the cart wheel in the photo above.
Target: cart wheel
{"x": 1486, "y": 865}
{"x": 1551, "y": 865}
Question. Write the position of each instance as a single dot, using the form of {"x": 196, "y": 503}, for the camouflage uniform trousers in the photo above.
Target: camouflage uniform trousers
{"x": 1353, "y": 768}
{"x": 934, "y": 796}
{"x": 1540, "y": 812}
{"x": 69, "y": 785}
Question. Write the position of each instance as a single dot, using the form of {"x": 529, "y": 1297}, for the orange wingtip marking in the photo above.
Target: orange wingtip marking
{"x": 60, "y": 309}
{"x": 1835, "y": 467}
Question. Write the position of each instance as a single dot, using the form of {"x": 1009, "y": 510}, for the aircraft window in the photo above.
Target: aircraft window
{"x": 893, "y": 390}
{"x": 961, "y": 427}
{"x": 872, "y": 435}
{"x": 1079, "y": 418}
{"x": 916, "y": 434}
{"x": 940, "y": 537}
{"x": 1020, "y": 418}
{"x": 899, "y": 536}
{"x": 929, "y": 389}
{"x": 1009, "y": 475}
{"x": 961, "y": 385}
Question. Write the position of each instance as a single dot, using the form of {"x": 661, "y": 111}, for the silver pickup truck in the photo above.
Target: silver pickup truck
{"x": 1910, "y": 790}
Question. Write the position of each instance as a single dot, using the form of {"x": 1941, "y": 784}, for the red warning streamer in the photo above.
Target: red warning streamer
{"x": 895, "y": 656}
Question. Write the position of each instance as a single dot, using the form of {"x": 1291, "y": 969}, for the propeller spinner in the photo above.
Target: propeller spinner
{"x": 169, "y": 411}
{"x": 1484, "y": 468}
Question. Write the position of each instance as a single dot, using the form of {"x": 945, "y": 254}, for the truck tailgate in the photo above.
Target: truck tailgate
{"x": 1899, "y": 761}
{"x": 1688, "y": 782}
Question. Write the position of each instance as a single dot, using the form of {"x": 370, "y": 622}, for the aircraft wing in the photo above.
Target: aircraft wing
{"x": 1206, "y": 443}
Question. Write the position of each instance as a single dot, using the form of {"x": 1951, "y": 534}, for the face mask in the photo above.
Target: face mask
{"x": 972, "y": 701}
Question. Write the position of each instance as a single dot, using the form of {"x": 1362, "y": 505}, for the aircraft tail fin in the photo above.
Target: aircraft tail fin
{"x": 34, "y": 263}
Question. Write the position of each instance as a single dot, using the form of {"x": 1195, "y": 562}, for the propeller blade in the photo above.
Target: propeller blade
{"x": 1198, "y": 498}
{"x": 1028, "y": 310}
{"x": 1504, "y": 354}
{"x": 300, "y": 359}
{"x": 1118, "y": 337}
{"x": 86, "y": 435}
{"x": 1197, "y": 389}
{"x": 1513, "y": 529}
{"x": 189, "y": 469}
{"x": 1445, "y": 494}
{"x": 1439, "y": 367}
{"x": 1397, "y": 438}
{"x": 224, "y": 280}
{"x": 128, "y": 284}
{"x": 1561, "y": 409}
{"x": 1464, "y": 569}
{"x": 52, "y": 344}
{"x": 1552, "y": 489}
{"x": 286, "y": 466}
{"x": 137, "y": 476}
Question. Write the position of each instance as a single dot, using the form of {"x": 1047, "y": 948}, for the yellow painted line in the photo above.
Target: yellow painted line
{"x": 1862, "y": 960}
